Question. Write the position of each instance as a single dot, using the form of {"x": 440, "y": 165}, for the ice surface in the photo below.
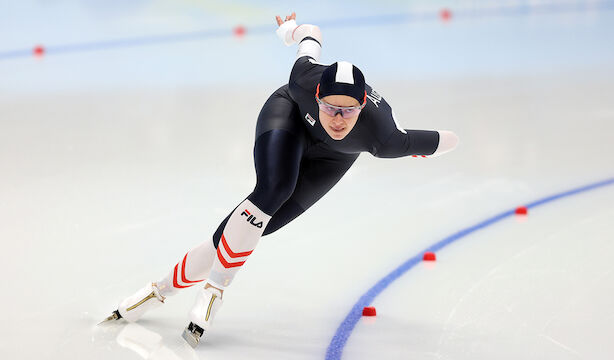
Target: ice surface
{"x": 109, "y": 172}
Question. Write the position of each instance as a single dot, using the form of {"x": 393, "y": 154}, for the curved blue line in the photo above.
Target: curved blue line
{"x": 335, "y": 348}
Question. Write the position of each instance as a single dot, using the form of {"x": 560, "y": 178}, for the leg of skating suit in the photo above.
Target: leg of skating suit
{"x": 277, "y": 156}
{"x": 278, "y": 151}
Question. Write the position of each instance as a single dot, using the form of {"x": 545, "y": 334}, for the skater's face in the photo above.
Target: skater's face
{"x": 337, "y": 126}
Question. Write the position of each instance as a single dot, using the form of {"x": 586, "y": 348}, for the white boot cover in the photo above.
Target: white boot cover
{"x": 147, "y": 298}
{"x": 208, "y": 302}
{"x": 241, "y": 234}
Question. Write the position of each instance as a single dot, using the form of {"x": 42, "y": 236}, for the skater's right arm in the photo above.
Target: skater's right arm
{"x": 308, "y": 37}
{"x": 306, "y": 71}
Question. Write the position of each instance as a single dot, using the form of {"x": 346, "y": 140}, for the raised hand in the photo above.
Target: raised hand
{"x": 289, "y": 17}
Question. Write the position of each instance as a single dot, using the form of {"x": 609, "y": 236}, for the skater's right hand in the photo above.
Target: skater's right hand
{"x": 286, "y": 28}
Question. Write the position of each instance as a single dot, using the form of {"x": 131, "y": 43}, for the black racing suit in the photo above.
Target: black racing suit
{"x": 297, "y": 162}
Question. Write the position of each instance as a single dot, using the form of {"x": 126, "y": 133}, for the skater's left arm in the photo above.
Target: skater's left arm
{"x": 407, "y": 142}
{"x": 404, "y": 142}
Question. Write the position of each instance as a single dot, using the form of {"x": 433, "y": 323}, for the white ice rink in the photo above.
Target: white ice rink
{"x": 115, "y": 161}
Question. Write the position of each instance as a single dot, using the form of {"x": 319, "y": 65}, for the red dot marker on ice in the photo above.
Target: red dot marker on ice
{"x": 521, "y": 210}
{"x": 239, "y": 31}
{"x": 429, "y": 256}
{"x": 38, "y": 51}
{"x": 368, "y": 311}
{"x": 445, "y": 15}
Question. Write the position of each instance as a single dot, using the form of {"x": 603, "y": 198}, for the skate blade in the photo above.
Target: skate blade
{"x": 191, "y": 338}
{"x": 113, "y": 317}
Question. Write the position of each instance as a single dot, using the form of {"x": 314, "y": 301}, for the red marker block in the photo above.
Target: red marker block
{"x": 429, "y": 256}
{"x": 368, "y": 311}
{"x": 38, "y": 51}
{"x": 445, "y": 15}
{"x": 521, "y": 210}
{"x": 239, "y": 31}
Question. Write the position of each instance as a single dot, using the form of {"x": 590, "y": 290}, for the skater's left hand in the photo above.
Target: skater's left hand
{"x": 289, "y": 17}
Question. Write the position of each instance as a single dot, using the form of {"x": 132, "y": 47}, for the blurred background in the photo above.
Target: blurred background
{"x": 162, "y": 44}
{"x": 126, "y": 131}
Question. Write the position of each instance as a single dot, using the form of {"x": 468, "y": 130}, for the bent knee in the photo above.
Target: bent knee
{"x": 271, "y": 195}
{"x": 278, "y": 191}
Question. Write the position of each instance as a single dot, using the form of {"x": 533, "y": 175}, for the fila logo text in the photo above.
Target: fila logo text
{"x": 251, "y": 219}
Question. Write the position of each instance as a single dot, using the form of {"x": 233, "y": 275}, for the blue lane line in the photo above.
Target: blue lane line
{"x": 133, "y": 42}
{"x": 335, "y": 348}
{"x": 375, "y": 20}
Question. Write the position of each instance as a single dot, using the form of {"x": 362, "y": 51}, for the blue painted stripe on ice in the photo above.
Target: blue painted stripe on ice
{"x": 335, "y": 348}
{"x": 133, "y": 42}
{"x": 371, "y": 20}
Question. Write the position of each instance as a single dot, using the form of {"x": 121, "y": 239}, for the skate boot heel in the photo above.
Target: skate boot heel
{"x": 192, "y": 334}
{"x": 208, "y": 302}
